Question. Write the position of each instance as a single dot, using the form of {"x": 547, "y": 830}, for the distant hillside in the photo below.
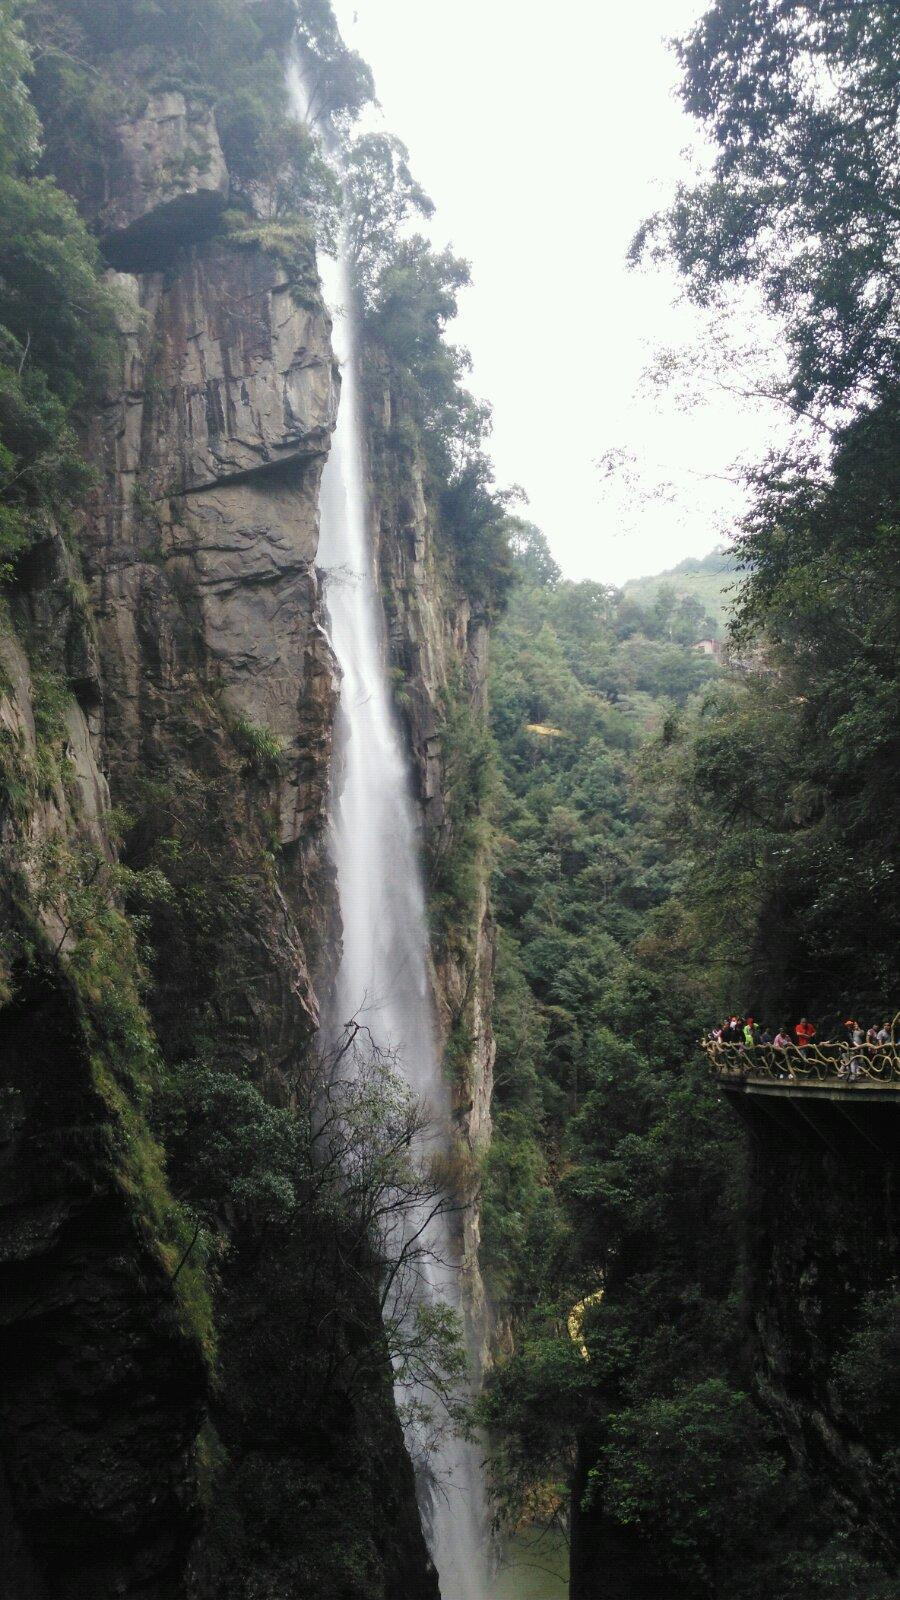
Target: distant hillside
{"x": 707, "y": 579}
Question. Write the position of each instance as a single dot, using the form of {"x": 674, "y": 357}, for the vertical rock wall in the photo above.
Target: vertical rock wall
{"x": 153, "y": 1438}
{"x": 200, "y": 553}
{"x": 437, "y": 645}
{"x": 823, "y": 1243}
{"x": 104, "y": 1382}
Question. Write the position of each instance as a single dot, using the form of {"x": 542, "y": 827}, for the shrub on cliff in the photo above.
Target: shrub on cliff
{"x": 342, "y": 1171}
{"x": 408, "y": 294}
{"x": 56, "y": 320}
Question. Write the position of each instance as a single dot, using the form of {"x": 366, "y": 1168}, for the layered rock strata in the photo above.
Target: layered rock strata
{"x": 200, "y": 551}
{"x": 155, "y": 1441}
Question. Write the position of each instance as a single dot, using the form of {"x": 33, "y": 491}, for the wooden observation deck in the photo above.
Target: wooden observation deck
{"x": 840, "y": 1094}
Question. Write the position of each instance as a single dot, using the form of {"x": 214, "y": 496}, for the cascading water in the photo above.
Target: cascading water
{"x": 383, "y": 978}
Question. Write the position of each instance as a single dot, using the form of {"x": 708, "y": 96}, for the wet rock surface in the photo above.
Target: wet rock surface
{"x": 189, "y": 626}
{"x": 200, "y": 551}
{"x": 438, "y": 645}
{"x": 103, "y": 1392}
{"x": 166, "y": 181}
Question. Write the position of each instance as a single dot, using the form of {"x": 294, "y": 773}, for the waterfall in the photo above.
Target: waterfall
{"x": 383, "y": 979}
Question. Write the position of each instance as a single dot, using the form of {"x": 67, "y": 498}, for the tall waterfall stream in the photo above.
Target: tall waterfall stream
{"x": 383, "y": 980}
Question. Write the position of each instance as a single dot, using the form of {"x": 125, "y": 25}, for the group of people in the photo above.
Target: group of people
{"x": 748, "y": 1033}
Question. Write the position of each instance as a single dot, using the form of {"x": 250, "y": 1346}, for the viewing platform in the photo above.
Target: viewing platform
{"x": 836, "y": 1093}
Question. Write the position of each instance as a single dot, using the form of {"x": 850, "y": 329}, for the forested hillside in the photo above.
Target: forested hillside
{"x": 617, "y": 1189}
{"x": 711, "y": 580}
{"x": 701, "y": 1347}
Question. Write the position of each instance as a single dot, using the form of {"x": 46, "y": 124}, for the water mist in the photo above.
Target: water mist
{"x": 383, "y": 980}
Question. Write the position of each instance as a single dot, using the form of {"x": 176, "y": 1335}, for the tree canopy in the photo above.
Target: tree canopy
{"x": 801, "y": 101}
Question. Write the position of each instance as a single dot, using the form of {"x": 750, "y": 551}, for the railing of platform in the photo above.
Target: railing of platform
{"x": 838, "y": 1063}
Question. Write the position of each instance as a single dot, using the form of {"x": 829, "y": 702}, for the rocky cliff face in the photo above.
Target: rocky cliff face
{"x": 438, "y": 642}
{"x": 200, "y": 552}
{"x": 166, "y": 702}
{"x": 822, "y": 1250}
{"x": 820, "y": 1272}
{"x": 104, "y": 1378}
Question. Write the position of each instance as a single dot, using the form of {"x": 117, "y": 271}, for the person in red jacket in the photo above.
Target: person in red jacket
{"x": 805, "y": 1033}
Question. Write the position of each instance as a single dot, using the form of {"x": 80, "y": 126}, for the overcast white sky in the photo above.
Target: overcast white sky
{"x": 544, "y": 134}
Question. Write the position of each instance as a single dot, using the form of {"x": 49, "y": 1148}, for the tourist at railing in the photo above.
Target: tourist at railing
{"x": 740, "y": 1047}
{"x": 851, "y": 1062}
{"x": 731, "y": 1031}
{"x": 805, "y": 1033}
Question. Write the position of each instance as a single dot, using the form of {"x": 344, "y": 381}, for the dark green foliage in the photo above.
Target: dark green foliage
{"x": 787, "y": 788}
{"x": 263, "y": 750}
{"x": 271, "y": 157}
{"x": 19, "y": 126}
{"x": 615, "y": 1195}
{"x": 577, "y": 870}
{"x": 337, "y": 1168}
{"x": 867, "y": 1379}
{"x": 41, "y": 469}
{"x": 800, "y": 100}
{"x": 762, "y": 823}
{"x": 691, "y": 1475}
{"x": 205, "y": 939}
{"x": 95, "y": 1024}
{"x": 408, "y": 310}
{"x": 785, "y": 785}
{"x": 338, "y": 81}
{"x": 56, "y": 323}
{"x": 407, "y": 307}
{"x": 534, "y": 562}
{"x": 456, "y": 851}
{"x": 230, "y": 1148}
{"x": 474, "y": 516}
{"x": 381, "y": 194}
{"x": 744, "y": 856}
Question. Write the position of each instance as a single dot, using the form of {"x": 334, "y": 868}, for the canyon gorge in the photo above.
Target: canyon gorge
{"x": 359, "y": 913}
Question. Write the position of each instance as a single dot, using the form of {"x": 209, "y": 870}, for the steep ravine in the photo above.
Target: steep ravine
{"x": 160, "y": 1435}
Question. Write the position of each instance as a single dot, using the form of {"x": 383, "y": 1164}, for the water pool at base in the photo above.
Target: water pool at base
{"x": 534, "y": 1568}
